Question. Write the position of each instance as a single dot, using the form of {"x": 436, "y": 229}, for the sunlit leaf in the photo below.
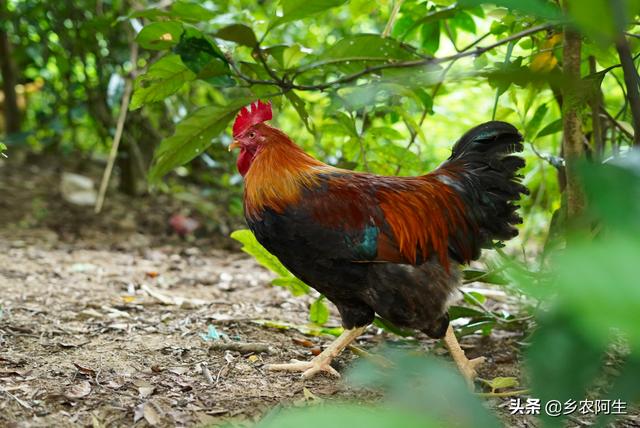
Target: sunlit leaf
{"x": 501, "y": 383}
{"x": 292, "y": 10}
{"x": 318, "y": 311}
{"x": 160, "y": 35}
{"x": 546, "y": 9}
{"x": 192, "y": 136}
{"x": 163, "y": 78}
{"x": 191, "y": 11}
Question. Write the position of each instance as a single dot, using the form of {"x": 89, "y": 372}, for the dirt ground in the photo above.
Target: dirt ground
{"x": 103, "y": 323}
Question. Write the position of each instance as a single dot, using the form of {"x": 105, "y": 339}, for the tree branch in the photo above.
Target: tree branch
{"x": 466, "y": 52}
{"x": 631, "y": 82}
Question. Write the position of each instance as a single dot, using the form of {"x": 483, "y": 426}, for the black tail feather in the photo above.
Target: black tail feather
{"x": 489, "y": 183}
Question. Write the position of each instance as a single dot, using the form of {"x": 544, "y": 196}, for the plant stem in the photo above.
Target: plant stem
{"x": 573, "y": 138}
{"x": 122, "y": 117}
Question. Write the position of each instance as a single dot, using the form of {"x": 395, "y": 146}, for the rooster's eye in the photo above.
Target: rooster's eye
{"x": 252, "y": 135}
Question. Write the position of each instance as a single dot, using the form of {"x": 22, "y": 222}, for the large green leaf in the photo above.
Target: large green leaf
{"x": 364, "y": 47}
{"x": 165, "y": 77}
{"x": 191, "y": 11}
{"x": 180, "y": 10}
{"x": 293, "y": 10}
{"x": 238, "y": 33}
{"x": 160, "y": 35}
{"x": 192, "y": 136}
{"x": 540, "y": 8}
{"x": 431, "y": 18}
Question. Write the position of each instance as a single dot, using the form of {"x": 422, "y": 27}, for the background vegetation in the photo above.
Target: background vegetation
{"x": 385, "y": 87}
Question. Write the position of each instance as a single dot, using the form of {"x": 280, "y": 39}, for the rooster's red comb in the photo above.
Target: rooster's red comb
{"x": 253, "y": 114}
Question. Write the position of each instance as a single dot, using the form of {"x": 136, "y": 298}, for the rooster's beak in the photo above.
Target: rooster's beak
{"x": 234, "y": 145}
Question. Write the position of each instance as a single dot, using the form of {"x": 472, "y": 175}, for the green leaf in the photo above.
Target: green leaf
{"x": 239, "y": 33}
{"x": 191, "y": 11}
{"x": 485, "y": 327}
{"x": 192, "y": 136}
{"x": 347, "y": 122}
{"x": 292, "y": 56}
{"x": 430, "y": 34}
{"x": 299, "y": 105}
{"x": 465, "y": 22}
{"x": 367, "y": 47}
{"x": 456, "y": 312}
{"x": 486, "y": 277}
{"x": 539, "y": 8}
{"x": 292, "y": 10}
{"x": 251, "y": 246}
{"x": 474, "y": 298}
{"x": 552, "y": 128}
{"x": 389, "y": 327}
{"x": 309, "y": 329}
{"x": 534, "y": 123}
{"x": 164, "y": 77}
{"x": 160, "y": 35}
{"x": 293, "y": 284}
{"x": 501, "y": 383}
{"x": 431, "y": 18}
{"x": 318, "y": 311}
{"x": 201, "y": 55}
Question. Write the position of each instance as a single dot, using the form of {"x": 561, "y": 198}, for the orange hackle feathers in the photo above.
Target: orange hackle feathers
{"x": 257, "y": 112}
{"x": 278, "y": 174}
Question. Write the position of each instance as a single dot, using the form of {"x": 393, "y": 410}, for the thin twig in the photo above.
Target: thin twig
{"x": 616, "y": 124}
{"x": 18, "y": 400}
{"x": 286, "y": 86}
{"x": 242, "y": 347}
{"x": 122, "y": 117}
{"x": 392, "y": 18}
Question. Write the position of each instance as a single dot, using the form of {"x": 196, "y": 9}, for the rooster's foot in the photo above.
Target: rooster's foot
{"x": 308, "y": 368}
{"x": 321, "y": 363}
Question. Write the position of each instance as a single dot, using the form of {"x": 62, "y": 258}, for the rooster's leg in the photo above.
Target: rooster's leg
{"x": 322, "y": 362}
{"x": 467, "y": 367}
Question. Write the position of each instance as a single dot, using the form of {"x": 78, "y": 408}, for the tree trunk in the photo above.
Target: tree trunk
{"x": 9, "y": 79}
{"x": 631, "y": 78}
{"x": 572, "y": 130}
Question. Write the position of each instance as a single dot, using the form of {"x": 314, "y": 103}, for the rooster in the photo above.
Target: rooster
{"x": 372, "y": 244}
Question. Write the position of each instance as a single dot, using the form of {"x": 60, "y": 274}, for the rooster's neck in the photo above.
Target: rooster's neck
{"x": 278, "y": 175}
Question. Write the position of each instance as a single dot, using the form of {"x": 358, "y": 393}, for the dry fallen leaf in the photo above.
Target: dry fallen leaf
{"x": 179, "y": 370}
{"x": 85, "y": 370}
{"x": 145, "y": 390}
{"x": 150, "y": 414}
{"x": 78, "y": 390}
